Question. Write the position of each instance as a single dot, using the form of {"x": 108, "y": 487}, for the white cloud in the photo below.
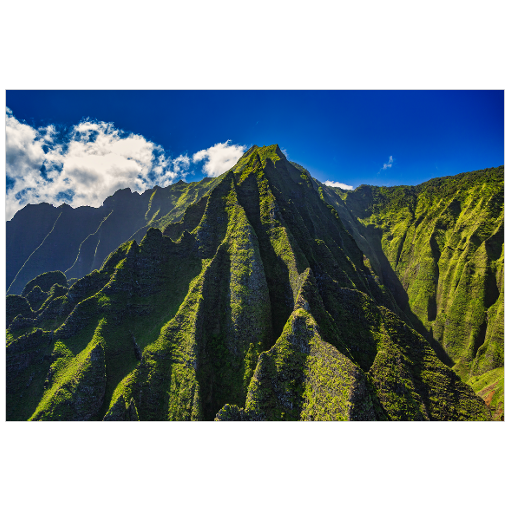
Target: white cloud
{"x": 338, "y": 185}
{"x": 23, "y": 147}
{"x": 219, "y": 158}
{"x": 83, "y": 166}
{"x": 181, "y": 163}
{"x": 388, "y": 164}
{"x": 47, "y": 132}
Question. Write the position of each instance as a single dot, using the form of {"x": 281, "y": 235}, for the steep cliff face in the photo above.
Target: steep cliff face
{"x": 42, "y": 238}
{"x": 439, "y": 248}
{"x": 257, "y": 304}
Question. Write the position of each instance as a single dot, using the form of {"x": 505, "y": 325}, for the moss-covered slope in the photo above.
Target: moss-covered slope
{"x": 439, "y": 248}
{"x": 257, "y": 304}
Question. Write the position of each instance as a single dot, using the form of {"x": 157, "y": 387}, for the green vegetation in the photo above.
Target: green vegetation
{"x": 439, "y": 248}
{"x": 74, "y": 385}
{"x": 491, "y": 387}
{"x": 246, "y": 298}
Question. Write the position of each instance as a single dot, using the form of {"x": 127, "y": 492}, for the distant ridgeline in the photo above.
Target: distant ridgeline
{"x": 43, "y": 238}
{"x": 261, "y": 295}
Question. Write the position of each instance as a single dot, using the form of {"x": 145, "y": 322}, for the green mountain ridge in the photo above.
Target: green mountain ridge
{"x": 256, "y": 304}
{"x": 439, "y": 248}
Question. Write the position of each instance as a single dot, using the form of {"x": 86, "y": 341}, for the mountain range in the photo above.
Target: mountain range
{"x": 261, "y": 294}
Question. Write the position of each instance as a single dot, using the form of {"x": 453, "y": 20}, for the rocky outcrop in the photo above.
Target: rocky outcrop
{"x": 303, "y": 377}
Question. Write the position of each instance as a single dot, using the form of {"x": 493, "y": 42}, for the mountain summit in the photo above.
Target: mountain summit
{"x": 257, "y": 304}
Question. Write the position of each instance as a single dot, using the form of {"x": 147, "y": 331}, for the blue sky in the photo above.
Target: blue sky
{"x": 106, "y": 140}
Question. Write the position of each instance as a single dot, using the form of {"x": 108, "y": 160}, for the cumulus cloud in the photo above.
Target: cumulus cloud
{"x": 24, "y": 147}
{"x": 181, "y": 163}
{"x": 81, "y": 166}
{"x": 338, "y": 185}
{"x": 219, "y": 158}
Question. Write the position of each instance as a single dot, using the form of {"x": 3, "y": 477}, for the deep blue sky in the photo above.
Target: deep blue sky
{"x": 344, "y": 136}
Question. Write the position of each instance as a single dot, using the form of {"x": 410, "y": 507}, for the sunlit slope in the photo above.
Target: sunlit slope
{"x": 439, "y": 248}
{"x": 42, "y": 238}
{"x": 257, "y": 304}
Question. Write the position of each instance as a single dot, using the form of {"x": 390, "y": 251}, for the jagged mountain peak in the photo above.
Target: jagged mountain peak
{"x": 254, "y": 303}
{"x": 266, "y": 151}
